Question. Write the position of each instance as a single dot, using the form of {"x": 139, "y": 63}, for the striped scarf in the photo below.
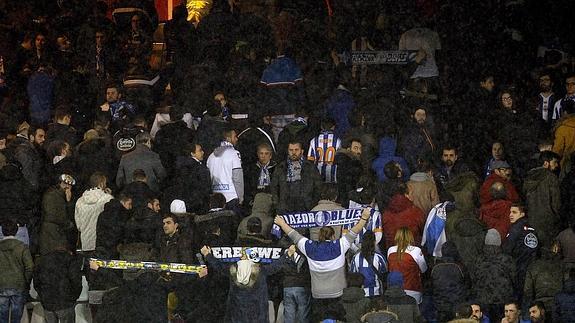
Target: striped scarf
{"x": 294, "y": 170}
{"x": 264, "y": 179}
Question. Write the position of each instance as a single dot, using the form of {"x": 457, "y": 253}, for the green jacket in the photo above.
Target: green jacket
{"x": 16, "y": 265}
{"x": 57, "y": 217}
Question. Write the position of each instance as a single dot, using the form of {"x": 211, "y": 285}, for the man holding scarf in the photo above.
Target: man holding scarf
{"x": 296, "y": 183}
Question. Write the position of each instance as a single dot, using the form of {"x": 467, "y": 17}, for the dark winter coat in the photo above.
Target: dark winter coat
{"x": 143, "y": 226}
{"x": 92, "y": 156}
{"x": 27, "y": 154}
{"x": 349, "y": 170}
{"x": 192, "y": 184}
{"x": 251, "y": 178}
{"x": 565, "y": 303}
{"x": 248, "y": 303}
{"x": 141, "y": 158}
{"x": 110, "y": 229}
{"x": 57, "y": 227}
{"x": 140, "y": 193}
{"x": 210, "y": 133}
{"x": 340, "y": 107}
{"x": 387, "y": 147}
{"x": 58, "y": 280}
{"x": 416, "y": 141}
{"x": 464, "y": 188}
{"x": 226, "y": 220}
{"x": 355, "y": 303}
{"x": 62, "y": 132}
{"x": 177, "y": 248}
{"x": 404, "y": 306}
{"x": 542, "y": 192}
{"x": 302, "y": 195}
{"x": 522, "y": 244}
{"x": 170, "y": 140}
{"x": 493, "y": 276}
{"x": 16, "y": 264}
{"x": 295, "y": 130}
{"x": 468, "y": 235}
{"x": 17, "y": 199}
{"x": 250, "y": 139}
{"x": 544, "y": 279}
{"x": 401, "y": 212}
{"x": 448, "y": 279}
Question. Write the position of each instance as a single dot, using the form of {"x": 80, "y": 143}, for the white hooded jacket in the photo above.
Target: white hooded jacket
{"x": 88, "y": 208}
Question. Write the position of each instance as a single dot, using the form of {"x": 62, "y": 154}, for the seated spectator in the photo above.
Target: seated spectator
{"x": 407, "y": 259}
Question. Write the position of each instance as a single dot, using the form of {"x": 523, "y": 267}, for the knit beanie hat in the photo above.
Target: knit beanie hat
{"x": 178, "y": 207}
{"x": 492, "y": 238}
{"x": 395, "y": 278}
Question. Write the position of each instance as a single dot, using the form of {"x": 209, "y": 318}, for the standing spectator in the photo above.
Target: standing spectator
{"x": 542, "y": 192}
{"x": 371, "y": 265}
{"x": 401, "y": 212}
{"x": 295, "y": 183}
{"x": 211, "y": 128}
{"x": 449, "y": 282}
{"x": 564, "y": 144}
{"x": 17, "y": 267}
{"x": 513, "y": 313}
{"x": 58, "y": 281}
{"x": 57, "y": 228}
{"x": 248, "y": 295}
{"x": 546, "y": 99}
{"x": 226, "y": 170}
{"x": 141, "y": 158}
{"x": 28, "y": 152}
{"x": 297, "y": 293}
{"x": 327, "y": 202}
{"x": 501, "y": 173}
{"x": 110, "y": 227}
{"x": 559, "y": 107}
{"x": 387, "y": 153}
{"x": 423, "y": 188}
{"x": 88, "y": 209}
{"x": 566, "y": 243}
{"x": 322, "y": 150}
{"x": 543, "y": 280}
{"x": 493, "y": 276}
{"x": 117, "y": 111}
{"x": 354, "y": 301}
{"x": 450, "y": 167}
{"x": 521, "y": 243}
{"x": 565, "y": 300}
{"x": 326, "y": 259}
{"x": 409, "y": 261}
{"x": 61, "y": 129}
{"x": 497, "y": 153}
{"x": 416, "y": 141}
{"x": 394, "y": 184}
{"x": 340, "y": 106}
{"x": 139, "y": 190}
{"x": 495, "y": 213}
{"x": 297, "y": 130}
{"x": 349, "y": 168}
{"x": 258, "y": 174}
{"x": 538, "y": 313}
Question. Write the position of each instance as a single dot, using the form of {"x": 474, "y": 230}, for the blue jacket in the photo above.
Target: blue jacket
{"x": 339, "y": 107}
{"x": 387, "y": 146}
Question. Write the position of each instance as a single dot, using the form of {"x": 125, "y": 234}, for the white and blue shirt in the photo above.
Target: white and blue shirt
{"x": 322, "y": 151}
{"x": 371, "y": 283}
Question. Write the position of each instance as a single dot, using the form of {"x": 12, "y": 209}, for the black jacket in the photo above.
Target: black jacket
{"x": 58, "y": 280}
{"x": 349, "y": 170}
{"x": 448, "y": 279}
{"x": 522, "y": 244}
{"x": 301, "y": 195}
{"x": 249, "y": 139}
{"x": 17, "y": 198}
{"x": 177, "y": 248}
{"x": 110, "y": 229}
{"x": 565, "y": 303}
{"x": 251, "y": 178}
{"x": 169, "y": 142}
{"x": 192, "y": 184}
{"x": 63, "y": 132}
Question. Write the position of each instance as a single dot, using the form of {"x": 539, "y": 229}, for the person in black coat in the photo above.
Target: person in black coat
{"x": 171, "y": 138}
{"x": 192, "y": 182}
{"x": 58, "y": 281}
{"x": 17, "y": 198}
{"x": 449, "y": 282}
{"x": 349, "y": 168}
{"x": 210, "y": 131}
{"x": 259, "y": 132}
{"x": 565, "y": 300}
{"x": 139, "y": 190}
{"x": 258, "y": 173}
{"x": 110, "y": 229}
{"x": 521, "y": 243}
{"x": 93, "y": 155}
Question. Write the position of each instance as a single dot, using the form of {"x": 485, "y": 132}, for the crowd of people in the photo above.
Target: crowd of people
{"x": 436, "y": 188}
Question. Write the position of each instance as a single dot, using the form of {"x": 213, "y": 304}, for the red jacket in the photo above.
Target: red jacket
{"x": 401, "y": 212}
{"x": 485, "y": 195}
{"x": 411, "y": 265}
{"x": 496, "y": 215}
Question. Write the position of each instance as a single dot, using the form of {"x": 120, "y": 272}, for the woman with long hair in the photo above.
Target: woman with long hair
{"x": 371, "y": 264}
{"x": 408, "y": 260}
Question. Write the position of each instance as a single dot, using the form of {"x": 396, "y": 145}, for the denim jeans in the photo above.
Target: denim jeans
{"x": 297, "y": 305}
{"x": 11, "y": 305}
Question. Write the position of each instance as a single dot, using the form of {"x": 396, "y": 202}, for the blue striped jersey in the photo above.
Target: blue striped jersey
{"x": 374, "y": 224}
{"x": 371, "y": 283}
{"x": 322, "y": 152}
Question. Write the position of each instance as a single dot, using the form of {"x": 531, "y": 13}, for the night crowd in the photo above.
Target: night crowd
{"x": 125, "y": 139}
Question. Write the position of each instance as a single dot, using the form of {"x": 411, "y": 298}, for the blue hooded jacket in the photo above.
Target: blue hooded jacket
{"x": 387, "y": 146}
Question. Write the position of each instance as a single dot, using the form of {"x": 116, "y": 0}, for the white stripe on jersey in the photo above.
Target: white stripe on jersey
{"x": 322, "y": 151}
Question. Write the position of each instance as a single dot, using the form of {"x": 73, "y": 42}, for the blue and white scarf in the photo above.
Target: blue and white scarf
{"x": 264, "y": 178}
{"x": 314, "y": 219}
{"x": 294, "y": 170}
{"x": 263, "y": 255}
{"x": 434, "y": 230}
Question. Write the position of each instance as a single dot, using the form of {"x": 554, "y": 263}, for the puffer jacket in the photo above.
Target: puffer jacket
{"x": 468, "y": 235}
{"x": 448, "y": 279}
{"x": 57, "y": 225}
{"x": 401, "y": 212}
{"x": 88, "y": 208}
{"x": 464, "y": 188}
{"x": 542, "y": 192}
{"x": 496, "y": 215}
{"x": 493, "y": 276}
